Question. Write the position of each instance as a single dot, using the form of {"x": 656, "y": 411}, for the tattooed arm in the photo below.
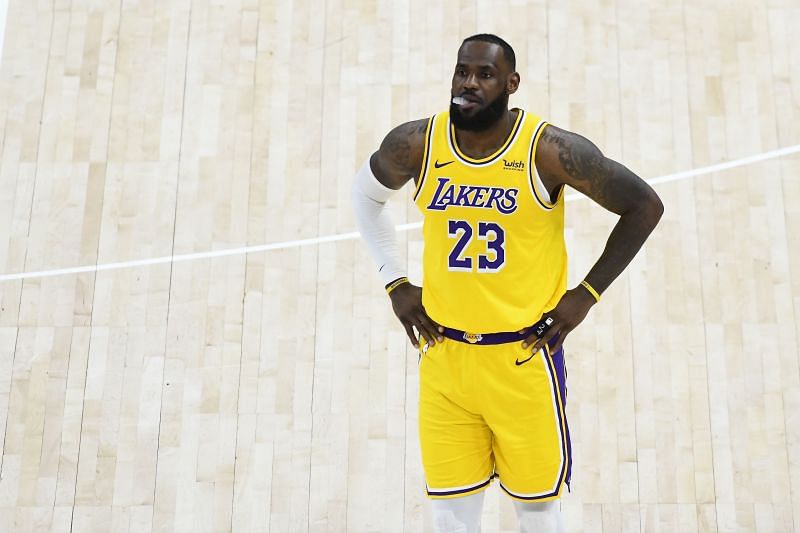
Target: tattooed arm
{"x": 564, "y": 158}
{"x": 396, "y": 162}
{"x": 567, "y": 158}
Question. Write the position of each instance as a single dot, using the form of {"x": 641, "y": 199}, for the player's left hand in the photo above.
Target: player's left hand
{"x": 570, "y": 311}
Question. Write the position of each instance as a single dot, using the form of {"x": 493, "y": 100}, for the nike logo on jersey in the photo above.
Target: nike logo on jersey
{"x": 518, "y": 362}
{"x": 440, "y": 165}
{"x": 449, "y": 194}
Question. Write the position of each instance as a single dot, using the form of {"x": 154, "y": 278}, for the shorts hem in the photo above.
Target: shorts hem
{"x": 443, "y": 494}
{"x": 553, "y": 495}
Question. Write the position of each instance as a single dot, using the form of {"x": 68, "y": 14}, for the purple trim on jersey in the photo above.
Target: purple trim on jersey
{"x": 459, "y": 491}
{"x": 561, "y": 376}
{"x": 426, "y": 159}
{"x": 558, "y": 374}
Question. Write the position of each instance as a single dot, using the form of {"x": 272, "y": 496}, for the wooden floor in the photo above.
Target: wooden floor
{"x": 275, "y": 391}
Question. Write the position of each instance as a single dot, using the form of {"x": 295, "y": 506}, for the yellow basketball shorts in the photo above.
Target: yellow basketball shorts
{"x": 493, "y": 410}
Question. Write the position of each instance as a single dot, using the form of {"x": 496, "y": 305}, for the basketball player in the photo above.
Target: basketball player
{"x": 494, "y": 309}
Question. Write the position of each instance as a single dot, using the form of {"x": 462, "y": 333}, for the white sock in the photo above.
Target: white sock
{"x": 458, "y": 515}
{"x": 539, "y": 517}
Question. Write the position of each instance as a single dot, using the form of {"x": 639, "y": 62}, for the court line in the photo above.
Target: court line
{"x": 354, "y": 234}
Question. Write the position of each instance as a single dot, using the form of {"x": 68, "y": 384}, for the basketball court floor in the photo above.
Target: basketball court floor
{"x": 193, "y": 339}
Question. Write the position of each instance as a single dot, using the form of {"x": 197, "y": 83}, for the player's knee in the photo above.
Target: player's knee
{"x": 458, "y": 515}
{"x": 539, "y": 517}
{"x": 446, "y": 521}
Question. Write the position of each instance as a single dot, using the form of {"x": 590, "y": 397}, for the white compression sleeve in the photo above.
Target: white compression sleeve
{"x": 539, "y": 517}
{"x": 375, "y": 224}
{"x": 458, "y": 515}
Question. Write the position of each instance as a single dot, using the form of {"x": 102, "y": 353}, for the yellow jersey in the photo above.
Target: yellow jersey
{"x": 494, "y": 256}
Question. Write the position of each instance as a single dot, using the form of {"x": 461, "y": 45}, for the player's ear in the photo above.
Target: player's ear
{"x": 512, "y": 83}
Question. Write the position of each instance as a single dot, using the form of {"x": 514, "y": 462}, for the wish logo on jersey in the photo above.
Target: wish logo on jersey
{"x": 449, "y": 194}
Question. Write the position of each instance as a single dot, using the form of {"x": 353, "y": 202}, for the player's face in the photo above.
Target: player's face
{"x": 484, "y": 79}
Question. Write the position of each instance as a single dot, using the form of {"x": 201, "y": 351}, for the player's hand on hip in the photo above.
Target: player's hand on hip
{"x": 570, "y": 311}
{"x": 407, "y": 305}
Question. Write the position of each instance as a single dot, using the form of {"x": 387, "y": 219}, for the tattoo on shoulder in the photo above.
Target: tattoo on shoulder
{"x": 578, "y": 156}
{"x": 592, "y": 172}
{"x": 403, "y": 140}
{"x": 399, "y": 149}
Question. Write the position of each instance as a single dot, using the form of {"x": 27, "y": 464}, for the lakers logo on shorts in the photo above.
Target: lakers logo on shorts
{"x": 472, "y": 338}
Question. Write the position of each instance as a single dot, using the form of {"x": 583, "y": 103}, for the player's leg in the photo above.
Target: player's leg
{"x": 458, "y": 515}
{"x": 539, "y": 517}
{"x": 455, "y": 442}
{"x": 527, "y": 418}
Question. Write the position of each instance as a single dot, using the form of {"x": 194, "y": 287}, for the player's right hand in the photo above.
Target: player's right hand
{"x": 407, "y": 305}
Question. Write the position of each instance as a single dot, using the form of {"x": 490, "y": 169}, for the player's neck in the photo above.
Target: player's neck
{"x": 478, "y": 144}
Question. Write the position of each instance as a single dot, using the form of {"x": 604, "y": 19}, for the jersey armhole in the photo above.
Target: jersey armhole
{"x": 538, "y": 189}
{"x": 423, "y": 171}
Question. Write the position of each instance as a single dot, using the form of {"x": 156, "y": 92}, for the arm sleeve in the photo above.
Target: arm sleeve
{"x": 375, "y": 223}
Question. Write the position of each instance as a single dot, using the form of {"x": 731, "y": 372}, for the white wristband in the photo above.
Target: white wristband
{"x": 375, "y": 223}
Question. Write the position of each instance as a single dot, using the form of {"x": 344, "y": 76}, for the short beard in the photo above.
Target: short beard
{"x": 483, "y": 119}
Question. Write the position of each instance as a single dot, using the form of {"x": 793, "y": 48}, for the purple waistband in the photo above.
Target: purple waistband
{"x": 483, "y": 338}
{"x": 539, "y": 328}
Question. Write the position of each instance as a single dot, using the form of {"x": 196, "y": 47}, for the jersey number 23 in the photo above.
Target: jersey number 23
{"x": 463, "y": 232}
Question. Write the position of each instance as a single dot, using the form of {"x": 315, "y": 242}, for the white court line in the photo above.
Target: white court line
{"x": 354, "y": 234}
